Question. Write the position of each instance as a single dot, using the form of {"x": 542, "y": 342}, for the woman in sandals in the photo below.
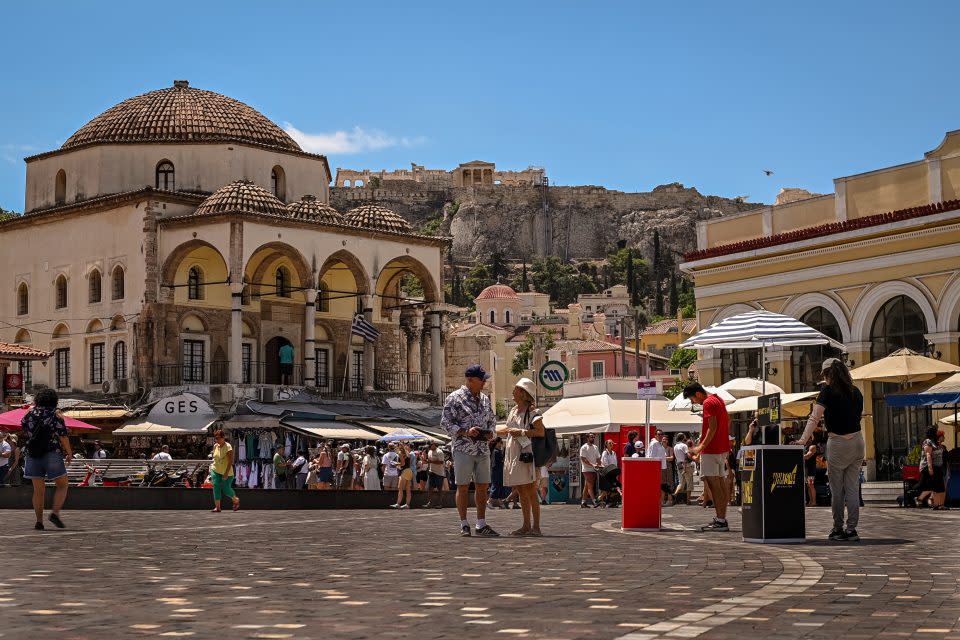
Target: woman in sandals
{"x": 519, "y": 471}
{"x": 221, "y": 471}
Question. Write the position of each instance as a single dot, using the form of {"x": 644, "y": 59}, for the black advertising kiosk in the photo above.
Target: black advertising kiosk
{"x": 772, "y": 487}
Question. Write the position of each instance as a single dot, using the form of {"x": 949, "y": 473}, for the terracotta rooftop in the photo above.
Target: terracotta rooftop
{"x": 21, "y": 352}
{"x": 181, "y": 114}
{"x": 308, "y": 208}
{"x": 597, "y": 346}
{"x": 372, "y": 216}
{"x": 242, "y": 195}
{"x": 497, "y": 291}
{"x": 670, "y": 326}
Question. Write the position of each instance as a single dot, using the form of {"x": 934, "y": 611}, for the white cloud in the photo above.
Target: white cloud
{"x": 357, "y": 140}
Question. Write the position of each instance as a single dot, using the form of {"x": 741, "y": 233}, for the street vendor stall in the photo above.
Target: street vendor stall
{"x": 180, "y": 422}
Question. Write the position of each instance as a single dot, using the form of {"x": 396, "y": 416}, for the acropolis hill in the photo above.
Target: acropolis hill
{"x": 518, "y": 214}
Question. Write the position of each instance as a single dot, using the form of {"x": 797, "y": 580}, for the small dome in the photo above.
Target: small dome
{"x": 244, "y": 196}
{"x": 309, "y": 209}
{"x": 181, "y": 114}
{"x": 371, "y": 216}
{"x": 498, "y": 291}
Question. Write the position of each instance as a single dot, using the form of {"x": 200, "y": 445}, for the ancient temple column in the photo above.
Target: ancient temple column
{"x": 236, "y": 333}
{"x": 368, "y": 347}
{"x": 436, "y": 356}
{"x": 309, "y": 339}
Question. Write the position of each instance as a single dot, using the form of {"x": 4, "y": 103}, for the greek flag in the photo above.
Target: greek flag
{"x": 364, "y": 329}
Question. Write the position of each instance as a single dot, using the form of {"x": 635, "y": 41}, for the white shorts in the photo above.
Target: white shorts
{"x": 713, "y": 465}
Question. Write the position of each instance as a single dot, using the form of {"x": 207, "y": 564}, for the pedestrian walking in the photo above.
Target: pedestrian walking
{"x": 589, "y": 461}
{"x": 712, "y": 450}
{"x": 681, "y": 456}
{"x": 435, "y": 476}
{"x": 163, "y": 455}
{"x": 48, "y": 451}
{"x": 630, "y": 448}
{"x": 932, "y": 472}
{"x": 496, "y": 473}
{"x": 344, "y": 467}
{"x": 280, "y": 467}
{"x": 658, "y": 450}
{"x": 405, "y": 482}
{"x": 15, "y": 474}
{"x": 524, "y": 422}
{"x": 368, "y": 469}
{"x": 221, "y": 472}
{"x": 6, "y": 457}
{"x": 391, "y": 467}
{"x": 840, "y": 406}
{"x": 469, "y": 419}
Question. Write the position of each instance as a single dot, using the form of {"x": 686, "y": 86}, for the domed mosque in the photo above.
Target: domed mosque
{"x": 208, "y": 243}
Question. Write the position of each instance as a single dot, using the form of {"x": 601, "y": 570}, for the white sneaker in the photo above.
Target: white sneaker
{"x": 404, "y": 506}
{"x": 395, "y": 506}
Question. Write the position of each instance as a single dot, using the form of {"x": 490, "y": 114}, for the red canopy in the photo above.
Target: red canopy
{"x": 10, "y": 421}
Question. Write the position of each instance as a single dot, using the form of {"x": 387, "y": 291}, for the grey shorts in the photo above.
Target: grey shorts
{"x": 713, "y": 465}
{"x": 468, "y": 468}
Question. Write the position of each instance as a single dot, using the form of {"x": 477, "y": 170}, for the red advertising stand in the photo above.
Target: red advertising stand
{"x": 640, "y": 478}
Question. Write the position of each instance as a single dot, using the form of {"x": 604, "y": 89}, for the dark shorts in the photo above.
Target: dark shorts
{"x": 286, "y": 368}
{"x": 435, "y": 481}
{"x": 422, "y": 476}
{"x": 48, "y": 467}
{"x": 325, "y": 474}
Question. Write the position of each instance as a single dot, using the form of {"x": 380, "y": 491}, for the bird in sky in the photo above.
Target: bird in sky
{"x": 768, "y": 172}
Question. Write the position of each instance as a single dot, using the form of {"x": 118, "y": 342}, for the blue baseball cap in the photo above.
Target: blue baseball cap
{"x": 476, "y": 371}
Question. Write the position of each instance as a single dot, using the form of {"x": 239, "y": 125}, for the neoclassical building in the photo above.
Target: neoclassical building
{"x": 181, "y": 237}
{"x": 875, "y": 265}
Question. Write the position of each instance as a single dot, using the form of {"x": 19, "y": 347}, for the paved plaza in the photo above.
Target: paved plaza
{"x": 385, "y": 574}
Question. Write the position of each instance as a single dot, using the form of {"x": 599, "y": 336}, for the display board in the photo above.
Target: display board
{"x": 772, "y": 487}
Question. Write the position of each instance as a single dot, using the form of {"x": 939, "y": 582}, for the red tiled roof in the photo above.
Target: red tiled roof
{"x": 497, "y": 291}
{"x": 598, "y": 346}
{"x": 242, "y": 195}
{"x": 21, "y": 351}
{"x": 670, "y": 326}
{"x": 376, "y": 217}
{"x": 825, "y": 230}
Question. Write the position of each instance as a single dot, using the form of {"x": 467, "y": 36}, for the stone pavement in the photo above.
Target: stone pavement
{"x": 390, "y": 575}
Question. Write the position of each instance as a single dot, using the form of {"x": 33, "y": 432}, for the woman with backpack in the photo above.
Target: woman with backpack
{"x": 932, "y": 484}
{"x": 519, "y": 469}
{"x": 47, "y": 450}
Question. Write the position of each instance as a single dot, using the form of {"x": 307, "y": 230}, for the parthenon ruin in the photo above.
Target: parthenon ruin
{"x": 476, "y": 173}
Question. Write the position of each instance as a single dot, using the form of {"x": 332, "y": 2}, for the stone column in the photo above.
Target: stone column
{"x": 436, "y": 356}
{"x": 309, "y": 339}
{"x": 236, "y": 333}
{"x": 369, "y": 352}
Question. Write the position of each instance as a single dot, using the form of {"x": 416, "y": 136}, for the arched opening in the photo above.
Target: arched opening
{"x": 343, "y": 281}
{"x": 60, "y": 187}
{"x": 165, "y": 176}
{"x": 358, "y": 183}
{"x": 94, "y": 326}
{"x": 269, "y": 265}
{"x": 120, "y": 360}
{"x": 806, "y": 361}
{"x": 278, "y": 183}
{"x": 493, "y": 316}
{"x": 119, "y": 323}
{"x": 193, "y": 343}
{"x": 195, "y": 284}
{"x": 899, "y": 324}
{"x": 282, "y": 288}
{"x": 346, "y": 183}
{"x": 404, "y": 282}
{"x": 61, "y": 331}
{"x": 60, "y": 288}
{"x": 116, "y": 281}
{"x": 95, "y": 286}
{"x": 23, "y": 299}
{"x": 506, "y": 316}
{"x": 277, "y": 371}
{"x": 23, "y": 337}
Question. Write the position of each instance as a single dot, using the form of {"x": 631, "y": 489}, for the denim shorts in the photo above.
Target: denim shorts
{"x": 48, "y": 467}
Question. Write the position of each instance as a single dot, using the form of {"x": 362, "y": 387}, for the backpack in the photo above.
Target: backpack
{"x": 40, "y": 435}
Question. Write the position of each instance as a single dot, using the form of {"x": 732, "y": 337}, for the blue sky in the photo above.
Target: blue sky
{"x": 626, "y": 95}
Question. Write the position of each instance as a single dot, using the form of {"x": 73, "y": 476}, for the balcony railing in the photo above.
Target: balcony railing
{"x": 401, "y": 381}
{"x": 217, "y": 372}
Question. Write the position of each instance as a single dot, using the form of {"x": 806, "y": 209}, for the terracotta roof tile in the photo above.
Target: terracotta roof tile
{"x": 242, "y": 195}
{"x": 670, "y": 326}
{"x": 376, "y": 217}
{"x": 13, "y": 351}
{"x": 310, "y": 209}
{"x": 498, "y": 291}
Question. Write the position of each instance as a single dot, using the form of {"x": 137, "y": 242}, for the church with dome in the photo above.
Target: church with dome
{"x": 181, "y": 238}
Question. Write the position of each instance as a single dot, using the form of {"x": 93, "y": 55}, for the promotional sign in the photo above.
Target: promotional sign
{"x": 647, "y": 389}
{"x": 772, "y": 487}
{"x": 553, "y": 374}
{"x": 13, "y": 388}
{"x": 768, "y": 410}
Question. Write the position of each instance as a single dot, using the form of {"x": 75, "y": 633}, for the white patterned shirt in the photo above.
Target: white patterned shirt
{"x": 464, "y": 411}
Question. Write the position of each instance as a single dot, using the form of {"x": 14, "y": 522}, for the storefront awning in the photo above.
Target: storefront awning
{"x": 601, "y": 414}
{"x": 330, "y": 431}
{"x": 153, "y": 429}
{"x": 388, "y": 428}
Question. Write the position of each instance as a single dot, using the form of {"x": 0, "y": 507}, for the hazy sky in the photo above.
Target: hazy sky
{"x": 627, "y": 95}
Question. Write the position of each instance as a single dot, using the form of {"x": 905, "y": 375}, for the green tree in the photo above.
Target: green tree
{"x": 682, "y": 358}
{"x": 498, "y": 268}
{"x": 478, "y": 279}
{"x": 618, "y": 271}
{"x": 524, "y": 353}
{"x": 432, "y": 225}
{"x": 563, "y": 282}
{"x": 674, "y": 294}
{"x": 677, "y": 388}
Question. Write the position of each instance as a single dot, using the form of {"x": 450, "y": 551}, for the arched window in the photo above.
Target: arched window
{"x": 116, "y": 281}
{"x": 806, "y": 361}
{"x": 195, "y": 284}
{"x": 61, "y": 292}
{"x": 120, "y": 360}
{"x": 323, "y": 299}
{"x": 278, "y": 183}
{"x": 506, "y": 316}
{"x": 60, "y": 187}
{"x": 493, "y": 316}
{"x": 23, "y": 299}
{"x": 165, "y": 176}
{"x": 283, "y": 282}
{"x": 899, "y": 324}
{"x": 739, "y": 363}
{"x": 96, "y": 292}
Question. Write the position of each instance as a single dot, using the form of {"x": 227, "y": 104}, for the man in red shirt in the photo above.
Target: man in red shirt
{"x": 713, "y": 448}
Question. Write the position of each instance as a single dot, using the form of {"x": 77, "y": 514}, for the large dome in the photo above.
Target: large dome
{"x": 310, "y": 209}
{"x": 498, "y": 292}
{"x": 242, "y": 196}
{"x": 182, "y": 114}
{"x": 371, "y": 216}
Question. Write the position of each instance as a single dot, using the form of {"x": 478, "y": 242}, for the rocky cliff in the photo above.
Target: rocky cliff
{"x": 587, "y": 222}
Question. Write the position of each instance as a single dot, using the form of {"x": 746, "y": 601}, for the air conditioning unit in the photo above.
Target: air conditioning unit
{"x": 122, "y": 385}
{"x": 267, "y": 394}
{"x": 221, "y": 394}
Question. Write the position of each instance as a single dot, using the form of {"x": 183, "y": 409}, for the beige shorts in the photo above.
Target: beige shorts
{"x": 713, "y": 465}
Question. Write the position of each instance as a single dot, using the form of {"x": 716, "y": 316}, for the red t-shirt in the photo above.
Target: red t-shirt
{"x": 714, "y": 406}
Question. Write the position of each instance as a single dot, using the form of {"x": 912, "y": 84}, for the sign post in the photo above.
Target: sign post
{"x": 13, "y": 389}
{"x": 647, "y": 390}
{"x": 553, "y": 374}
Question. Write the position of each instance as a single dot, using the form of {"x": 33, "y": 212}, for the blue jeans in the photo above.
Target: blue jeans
{"x": 48, "y": 467}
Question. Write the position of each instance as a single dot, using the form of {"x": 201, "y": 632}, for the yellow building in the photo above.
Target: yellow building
{"x": 876, "y": 265}
{"x": 665, "y": 336}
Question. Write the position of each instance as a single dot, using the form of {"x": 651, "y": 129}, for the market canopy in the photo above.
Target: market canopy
{"x": 942, "y": 390}
{"x": 406, "y": 431}
{"x": 903, "y": 366}
{"x": 601, "y": 413}
{"x": 791, "y": 404}
{"x": 756, "y": 330}
{"x": 330, "y": 430}
{"x": 185, "y": 413}
{"x": 10, "y": 421}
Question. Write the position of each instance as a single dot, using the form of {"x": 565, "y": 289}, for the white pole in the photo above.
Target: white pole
{"x": 647, "y": 403}
{"x": 763, "y": 368}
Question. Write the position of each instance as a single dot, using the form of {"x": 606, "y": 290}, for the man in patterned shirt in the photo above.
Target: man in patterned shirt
{"x": 471, "y": 422}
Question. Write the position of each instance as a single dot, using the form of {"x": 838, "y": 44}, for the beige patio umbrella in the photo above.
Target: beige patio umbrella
{"x": 795, "y": 405}
{"x": 951, "y": 420}
{"x": 746, "y": 387}
{"x": 903, "y": 366}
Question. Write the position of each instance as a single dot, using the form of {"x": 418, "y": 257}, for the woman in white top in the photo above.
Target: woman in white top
{"x": 607, "y": 459}
{"x": 519, "y": 470}
{"x": 371, "y": 479}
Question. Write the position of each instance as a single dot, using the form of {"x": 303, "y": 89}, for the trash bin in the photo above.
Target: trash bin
{"x": 773, "y": 492}
{"x": 640, "y": 478}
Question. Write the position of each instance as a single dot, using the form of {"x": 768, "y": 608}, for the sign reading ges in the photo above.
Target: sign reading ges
{"x": 180, "y": 405}
{"x": 553, "y": 374}
{"x": 183, "y": 411}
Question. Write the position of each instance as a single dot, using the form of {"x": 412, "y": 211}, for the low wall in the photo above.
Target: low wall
{"x": 160, "y": 498}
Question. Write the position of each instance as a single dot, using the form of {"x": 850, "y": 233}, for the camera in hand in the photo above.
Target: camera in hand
{"x": 526, "y": 456}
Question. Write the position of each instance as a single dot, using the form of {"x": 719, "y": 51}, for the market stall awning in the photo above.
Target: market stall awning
{"x": 330, "y": 431}
{"x": 96, "y": 414}
{"x": 941, "y": 391}
{"x": 10, "y": 421}
{"x": 390, "y": 428}
{"x": 147, "y": 428}
{"x": 792, "y": 404}
{"x": 184, "y": 413}
{"x": 601, "y": 413}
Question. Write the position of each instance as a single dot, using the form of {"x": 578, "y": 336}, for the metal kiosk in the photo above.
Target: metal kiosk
{"x": 772, "y": 488}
